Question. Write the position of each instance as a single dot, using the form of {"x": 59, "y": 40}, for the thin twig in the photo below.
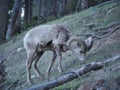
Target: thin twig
{"x": 99, "y": 36}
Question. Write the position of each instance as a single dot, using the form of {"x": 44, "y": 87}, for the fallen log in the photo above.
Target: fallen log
{"x": 68, "y": 76}
{"x": 74, "y": 74}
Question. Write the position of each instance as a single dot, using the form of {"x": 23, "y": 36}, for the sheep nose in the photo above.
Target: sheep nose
{"x": 82, "y": 57}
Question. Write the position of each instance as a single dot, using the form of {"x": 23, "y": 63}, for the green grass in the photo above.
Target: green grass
{"x": 72, "y": 85}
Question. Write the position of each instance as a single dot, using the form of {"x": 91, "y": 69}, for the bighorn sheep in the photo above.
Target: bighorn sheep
{"x": 55, "y": 38}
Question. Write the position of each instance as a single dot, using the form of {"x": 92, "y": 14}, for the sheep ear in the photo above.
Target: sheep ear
{"x": 89, "y": 42}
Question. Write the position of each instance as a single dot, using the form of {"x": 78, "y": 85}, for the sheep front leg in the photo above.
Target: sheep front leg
{"x": 59, "y": 56}
{"x": 51, "y": 64}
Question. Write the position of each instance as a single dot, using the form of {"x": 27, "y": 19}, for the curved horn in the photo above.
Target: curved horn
{"x": 75, "y": 38}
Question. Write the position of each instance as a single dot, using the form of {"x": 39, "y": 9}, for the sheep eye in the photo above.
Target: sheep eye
{"x": 79, "y": 44}
{"x": 81, "y": 51}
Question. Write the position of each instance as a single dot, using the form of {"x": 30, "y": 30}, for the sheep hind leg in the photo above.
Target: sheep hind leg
{"x": 30, "y": 58}
{"x": 35, "y": 67}
{"x": 59, "y": 56}
{"x": 50, "y": 65}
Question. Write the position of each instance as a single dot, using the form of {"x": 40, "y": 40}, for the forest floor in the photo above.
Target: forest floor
{"x": 93, "y": 20}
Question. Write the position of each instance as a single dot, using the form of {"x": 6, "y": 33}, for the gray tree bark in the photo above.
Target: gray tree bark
{"x": 15, "y": 19}
{"x": 3, "y": 19}
{"x": 28, "y": 11}
{"x": 39, "y": 9}
{"x": 84, "y": 4}
{"x": 78, "y": 5}
{"x": 54, "y": 7}
{"x": 61, "y": 7}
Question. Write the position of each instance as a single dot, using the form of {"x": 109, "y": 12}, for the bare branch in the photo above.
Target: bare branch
{"x": 95, "y": 35}
{"x": 111, "y": 32}
{"x": 113, "y": 59}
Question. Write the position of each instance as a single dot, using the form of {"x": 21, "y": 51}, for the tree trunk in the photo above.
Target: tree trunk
{"x": 3, "y": 19}
{"x": 78, "y": 5}
{"x": 54, "y": 7}
{"x": 39, "y": 16}
{"x": 61, "y": 8}
{"x": 84, "y": 4}
{"x": 15, "y": 19}
{"x": 28, "y": 11}
{"x": 43, "y": 8}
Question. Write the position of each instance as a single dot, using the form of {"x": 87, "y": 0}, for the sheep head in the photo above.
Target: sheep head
{"x": 80, "y": 47}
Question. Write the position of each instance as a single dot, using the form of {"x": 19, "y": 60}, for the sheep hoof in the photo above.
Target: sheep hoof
{"x": 48, "y": 79}
{"x": 30, "y": 82}
{"x": 60, "y": 70}
{"x": 83, "y": 62}
{"x": 41, "y": 77}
